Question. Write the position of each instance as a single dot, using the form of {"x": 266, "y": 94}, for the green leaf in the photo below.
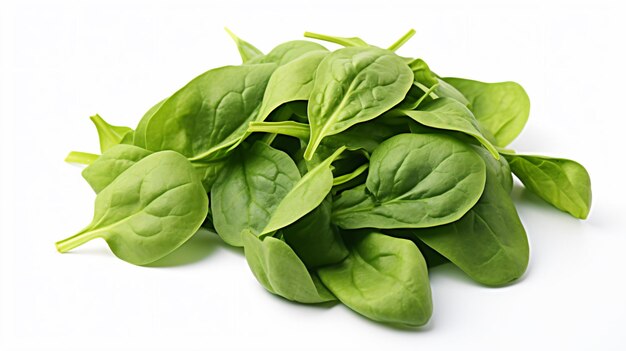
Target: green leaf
{"x": 489, "y": 242}
{"x": 113, "y": 162}
{"x": 291, "y": 82}
{"x": 109, "y": 135}
{"x": 147, "y": 211}
{"x": 449, "y": 114}
{"x": 280, "y": 271}
{"x": 249, "y": 190}
{"x": 305, "y": 195}
{"x": 289, "y": 51}
{"x": 432, "y": 85}
{"x": 247, "y": 51}
{"x": 261, "y": 190}
{"x": 139, "y": 136}
{"x": 354, "y": 85}
{"x": 414, "y": 181}
{"x": 228, "y": 97}
{"x": 209, "y": 171}
{"x": 501, "y": 108}
{"x": 383, "y": 278}
{"x": 315, "y": 239}
{"x": 563, "y": 183}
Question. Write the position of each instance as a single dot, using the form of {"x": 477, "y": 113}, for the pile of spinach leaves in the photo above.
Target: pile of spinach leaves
{"x": 343, "y": 174}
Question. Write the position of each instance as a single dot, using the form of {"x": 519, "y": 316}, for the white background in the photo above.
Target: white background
{"x": 62, "y": 62}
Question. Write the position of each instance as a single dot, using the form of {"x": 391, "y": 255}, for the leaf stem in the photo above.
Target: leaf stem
{"x": 75, "y": 241}
{"x": 79, "y": 157}
{"x": 348, "y": 177}
{"x": 290, "y": 128}
{"x": 328, "y": 38}
{"x": 395, "y": 46}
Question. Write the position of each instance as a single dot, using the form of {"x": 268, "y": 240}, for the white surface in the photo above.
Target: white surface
{"x": 62, "y": 62}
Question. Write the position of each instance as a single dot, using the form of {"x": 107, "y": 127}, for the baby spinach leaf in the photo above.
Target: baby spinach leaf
{"x": 432, "y": 85}
{"x": 563, "y": 183}
{"x": 277, "y": 267}
{"x": 414, "y": 181}
{"x": 501, "y": 168}
{"x": 139, "y": 136}
{"x": 384, "y": 278}
{"x": 209, "y": 171}
{"x": 489, "y": 242}
{"x": 290, "y": 82}
{"x": 112, "y": 164}
{"x": 449, "y": 114}
{"x": 247, "y": 51}
{"x": 315, "y": 239}
{"x": 109, "y": 135}
{"x": 305, "y": 195}
{"x": 501, "y": 108}
{"x": 261, "y": 190}
{"x": 210, "y": 113}
{"x": 354, "y": 85}
{"x": 147, "y": 211}
{"x": 289, "y": 51}
{"x": 249, "y": 189}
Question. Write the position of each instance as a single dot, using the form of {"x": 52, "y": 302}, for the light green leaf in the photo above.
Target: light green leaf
{"x": 414, "y": 181}
{"x": 109, "y": 135}
{"x": 383, "y": 278}
{"x": 501, "y": 108}
{"x": 277, "y": 267}
{"x": 147, "y": 211}
{"x": 489, "y": 242}
{"x": 563, "y": 183}
{"x": 354, "y": 85}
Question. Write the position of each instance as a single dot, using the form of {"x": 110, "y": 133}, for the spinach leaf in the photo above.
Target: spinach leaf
{"x": 384, "y": 278}
{"x": 261, "y": 190}
{"x": 501, "y": 108}
{"x": 289, "y": 51}
{"x": 209, "y": 171}
{"x": 249, "y": 189}
{"x": 147, "y": 211}
{"x": 563, "y": 183}
{"x": 210, "y": 113}
{"x": 354, "y": 85}
{"x": 139, "y": 136}
{"x": 112, "y": 164}
{"x": 414, "y": 181}
{"x": 489, "y": 242}
{"x": 280, "y": 270}
{"x": 315, "y": 239}
{"x": 247, "y": 51}
{"x": 305, "y": 195}
{"x": 432, "y": 85}
{"x": 290, "y": 82}
{"x": 109, "y": 135}
{"x": 449, "y": 114}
